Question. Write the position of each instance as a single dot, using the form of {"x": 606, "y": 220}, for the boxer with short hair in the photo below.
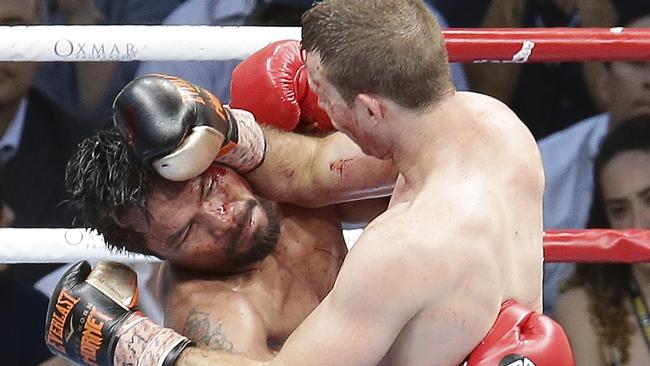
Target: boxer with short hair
{"x": 452, "y": 271}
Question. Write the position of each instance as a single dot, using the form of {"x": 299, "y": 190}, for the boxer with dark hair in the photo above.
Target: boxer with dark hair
{"x": 451, "y": 271}
{"x": 241, "y": 272}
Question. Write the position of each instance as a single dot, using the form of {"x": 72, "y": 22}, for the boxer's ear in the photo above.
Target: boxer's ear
{"x": 371, "y": 105}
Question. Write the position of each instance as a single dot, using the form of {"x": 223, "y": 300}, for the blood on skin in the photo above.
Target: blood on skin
{"x": 216, "y": 170}
{"x": 221, "y": 210}
{"x": 288, "y": 173}
{"x": 339, "y": 166}
{"x": 130, "y": 125}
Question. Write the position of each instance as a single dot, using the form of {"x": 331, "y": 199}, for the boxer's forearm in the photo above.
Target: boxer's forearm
{"x": 318, "y": 171}
{"x": 193, "y": 356}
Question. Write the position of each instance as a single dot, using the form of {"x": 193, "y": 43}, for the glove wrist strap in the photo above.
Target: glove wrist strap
{"x": 244, "y": 152}
{"x": 144, "y": 343}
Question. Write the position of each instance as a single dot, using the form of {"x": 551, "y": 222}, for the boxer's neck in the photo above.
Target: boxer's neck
{"x": 430, "y": 134}
{"x": 408, "y": 151}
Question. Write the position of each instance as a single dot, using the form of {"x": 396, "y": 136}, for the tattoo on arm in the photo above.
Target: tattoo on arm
{"x": 199, "y": 329}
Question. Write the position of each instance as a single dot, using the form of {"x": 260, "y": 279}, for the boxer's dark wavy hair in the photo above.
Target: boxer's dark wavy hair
{"x": 607, "y": 284}
{"x": 104, "y": 180}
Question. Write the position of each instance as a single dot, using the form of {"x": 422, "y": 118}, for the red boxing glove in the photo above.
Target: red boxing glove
{"x": 272, "y": 84}
{"x": 521, "y": 337}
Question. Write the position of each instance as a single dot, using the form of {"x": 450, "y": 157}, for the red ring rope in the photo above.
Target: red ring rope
{"x": 549, "y": 44}
{"x": 595, "y": 245}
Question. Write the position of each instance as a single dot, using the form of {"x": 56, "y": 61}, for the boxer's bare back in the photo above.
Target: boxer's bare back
{"x": 475, "y": 229}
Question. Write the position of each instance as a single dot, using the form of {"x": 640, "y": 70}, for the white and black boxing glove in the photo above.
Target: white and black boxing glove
{"x": 92, "y": 320}
{"x": 180, "y": 129}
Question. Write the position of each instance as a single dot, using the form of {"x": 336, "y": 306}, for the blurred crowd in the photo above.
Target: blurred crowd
{"x": 591, "y": 120}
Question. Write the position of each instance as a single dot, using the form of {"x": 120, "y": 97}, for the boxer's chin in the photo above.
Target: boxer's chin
{"x": 258, "y": 233}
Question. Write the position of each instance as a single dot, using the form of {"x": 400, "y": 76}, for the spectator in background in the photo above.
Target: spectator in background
{"x": 212, "y": 75}
{"x": 36, "y": 136}
{"x": 462, "y": 13}
{"x": 568, "y": 155}
{"x": 595, "y": 308}
{"x": 458, "y": 76}
{"x": 546, "y": 96}
{"x": 215, "y": 75}
{"x": 21, "y": 309}
{"x": 87, "y": 89}
{"x": 36, "y": 139}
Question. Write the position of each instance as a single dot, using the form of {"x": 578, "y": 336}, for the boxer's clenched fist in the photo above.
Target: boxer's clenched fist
{"x": 272, "y": 84}
{"x": 92, "y": 320}
{"x": 179, "y": 129}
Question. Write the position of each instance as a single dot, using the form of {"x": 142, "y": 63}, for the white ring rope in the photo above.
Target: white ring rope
{"x": 59, "y": 246}
{"x": 135, "y": 42}
{"x": 18, "y": 245}
{"x": 126, "y": 43}
{"x": 154, "y": 42}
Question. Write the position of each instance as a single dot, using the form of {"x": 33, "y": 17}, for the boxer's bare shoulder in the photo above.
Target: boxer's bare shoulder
{"x": 497, "y": 118}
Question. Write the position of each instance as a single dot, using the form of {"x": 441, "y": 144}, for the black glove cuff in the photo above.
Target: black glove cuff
{"x": 233, "y": 129}
{"x": 173, "y": 355}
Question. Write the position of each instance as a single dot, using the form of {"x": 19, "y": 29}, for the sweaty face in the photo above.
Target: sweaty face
{"x": 212, "y": 222}
{"x": 16, "y": 77}
{"x": 328, "y": 98}
{"x": 625, "y": 181}
{"x": 351, "y": 119}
